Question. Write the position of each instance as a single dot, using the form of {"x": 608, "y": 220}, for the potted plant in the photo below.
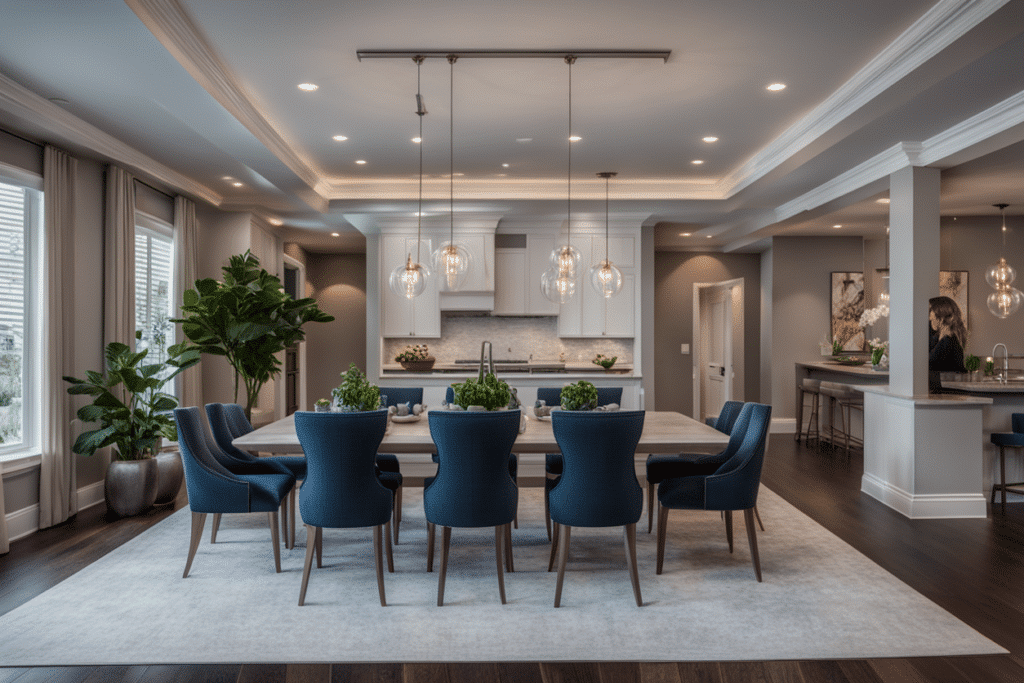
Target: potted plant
{"x": 416, "y": 358}
{"x": 355, "y": 393}
{"x": 133, "y": 415}
{"x": 972, "y": 363}
{"x": 604, "y": 361}
{"x": 487, "y": 392}
{"x": 322, "y": 405}
{"x": 248, "y": 318}
{"x": 579, "y": 396}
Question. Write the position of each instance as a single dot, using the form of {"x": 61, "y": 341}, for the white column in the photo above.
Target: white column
{"x": 913, "y": 275}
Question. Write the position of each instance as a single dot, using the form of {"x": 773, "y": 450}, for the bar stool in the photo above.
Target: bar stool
{"x": 809, "y": 387}
{"x": 1014, "y": 439}
{"x": 847, "y": 399}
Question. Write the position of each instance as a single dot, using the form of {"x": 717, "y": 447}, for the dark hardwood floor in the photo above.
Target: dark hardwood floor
{"x": 973, "y": 568}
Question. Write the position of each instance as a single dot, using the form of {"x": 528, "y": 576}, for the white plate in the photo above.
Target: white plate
{"x": 405, "y": 418}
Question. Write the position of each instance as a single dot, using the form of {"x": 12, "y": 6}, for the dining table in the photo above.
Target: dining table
{"x": 664, "y": 432}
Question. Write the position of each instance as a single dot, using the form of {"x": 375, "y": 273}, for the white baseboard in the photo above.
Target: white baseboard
{"x": 24, "y": 522}
{"x": 925, "y": 506}
{"x": 783, "y": 425}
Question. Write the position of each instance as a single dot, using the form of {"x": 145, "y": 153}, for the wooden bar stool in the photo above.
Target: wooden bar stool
{"x": 847, "y": 399}
{"x": 1014, "y": 439}
{"x": 809, "y": 387}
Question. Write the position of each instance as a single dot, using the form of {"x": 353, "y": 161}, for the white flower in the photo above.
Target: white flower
{"x": 873, "y": 315}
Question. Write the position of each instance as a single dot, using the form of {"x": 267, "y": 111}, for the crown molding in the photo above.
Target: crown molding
{"x": 944, "y": 23}
{"x": 966, "y": 140}
{"x": 168, "y": 21}
{"x": 520, "y": 188}
{"x": 25, "y": 104}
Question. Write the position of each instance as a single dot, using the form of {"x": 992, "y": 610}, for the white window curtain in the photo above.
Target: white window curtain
{"x": 57, "y": 479}
{"x": 119, "y": 259}
{"x": 186, "y": 236}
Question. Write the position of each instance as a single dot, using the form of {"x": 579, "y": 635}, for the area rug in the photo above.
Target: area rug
{"x": 820, "y": 599}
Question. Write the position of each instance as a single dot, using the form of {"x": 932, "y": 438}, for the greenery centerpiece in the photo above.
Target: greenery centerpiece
{"x": 248, "y": 318}
{"x": 579, "y": 396}
{"x": 487, "y": 391}
{"x": 355, "y": 393}
{"x": 604, "y": 361}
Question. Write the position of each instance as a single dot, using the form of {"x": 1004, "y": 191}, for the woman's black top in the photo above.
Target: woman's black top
{"x": 944, "y": 355}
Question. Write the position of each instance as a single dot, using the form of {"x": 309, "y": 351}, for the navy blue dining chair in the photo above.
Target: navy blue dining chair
{"x": 388, "y": 462}
{"x": 227, "y": 422}
{"x": 1013, "y": 439}
{"x": 732, "y": 486}
{"x": 598, "y": 485}
{"x": 213, "y": 488}
{"x": 552, "y": 396}
{"x": 473, "y": 487}
{"x": 343, "y": 489}
{"x": 662, "y": 466}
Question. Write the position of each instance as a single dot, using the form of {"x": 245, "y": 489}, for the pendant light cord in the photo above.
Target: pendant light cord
{"x": 451, "y": 149}
{"x": 606, "y": 178}
{"x": 570, "y": 60}
{"x": 420, "y": 111}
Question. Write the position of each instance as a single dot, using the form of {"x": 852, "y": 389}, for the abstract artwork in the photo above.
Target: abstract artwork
{"x": 847, "y": 307}
{"x": 953, "y": 283}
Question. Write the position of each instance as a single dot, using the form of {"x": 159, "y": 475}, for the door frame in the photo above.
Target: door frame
{"x": 738, "y": 312}
{"x": 291, "y": 262}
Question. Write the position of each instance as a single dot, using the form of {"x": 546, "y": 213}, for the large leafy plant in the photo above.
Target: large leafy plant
{"x": 128, "y": 401}
{"x": 355, "y": 392}
{"x": 579, "y": 396}
{"x": 487, "y": 391}
{"x": 247, "y": 318}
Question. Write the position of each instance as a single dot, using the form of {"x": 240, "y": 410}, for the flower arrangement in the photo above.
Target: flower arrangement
{"x": 604, "y": 361}
{"x": 414, "y": 353}
{"x": 355, "y": 393}
{"x": 879, "y": 351}
{"x": 873, "y": 315}
{"x": 322, "y": 405}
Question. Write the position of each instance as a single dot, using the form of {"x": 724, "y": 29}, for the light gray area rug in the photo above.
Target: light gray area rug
{"x": 820, "y": 599}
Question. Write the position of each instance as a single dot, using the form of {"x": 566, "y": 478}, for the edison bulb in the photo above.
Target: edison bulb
{"x": 566, "y": 259}
{"x": 452, "y": 262}
{"x": 606, "y": 279}
{"x": 557, "y": 287}
{"x": 1001, "y": 274}
{"x": 409, "y": 280}
{"x": 1005, "y": 301}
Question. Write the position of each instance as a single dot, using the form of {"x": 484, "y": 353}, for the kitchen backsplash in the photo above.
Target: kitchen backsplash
{"x": 513, "y": 338}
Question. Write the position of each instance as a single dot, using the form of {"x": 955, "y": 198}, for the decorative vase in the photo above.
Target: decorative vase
{"x": 170, "y": 474}
{"x": 130, "y": 486}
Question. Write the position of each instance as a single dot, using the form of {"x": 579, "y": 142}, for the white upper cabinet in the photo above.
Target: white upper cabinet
{"x": 402, "y": 317}
{"x": 588, "y": 314}
{"x": 517, "y": 273}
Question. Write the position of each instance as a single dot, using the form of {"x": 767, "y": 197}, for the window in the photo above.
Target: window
{"x": 154, "y": 281}
{"x": 20, "y": 286}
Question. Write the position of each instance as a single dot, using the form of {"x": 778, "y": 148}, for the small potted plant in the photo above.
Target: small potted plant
{"x": 879, "y": 354}
{"x": 604, "y": 361}
{"x": 355, "y": 393}
{"x": 579, "y": 396}
{"x": 487, "y": 392}
{"x": 972, "y": 363}
{"x": 322, "y": 405}
{"x": 416, "y": 358}
{"x": 134, "y": 415}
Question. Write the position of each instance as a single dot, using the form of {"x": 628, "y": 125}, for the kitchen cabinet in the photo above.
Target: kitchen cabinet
{"x": 517, "y": 274}
{"x": 480, "y": 246}
{"x": 401, "y": 317}
{"x": 588, "y": 314}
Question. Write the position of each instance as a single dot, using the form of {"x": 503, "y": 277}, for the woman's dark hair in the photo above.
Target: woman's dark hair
{"x": 950, "y": 320}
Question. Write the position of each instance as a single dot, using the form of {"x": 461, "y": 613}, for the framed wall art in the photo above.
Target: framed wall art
{"x": 953, "y": 283}
{"x": 847, "y": 306}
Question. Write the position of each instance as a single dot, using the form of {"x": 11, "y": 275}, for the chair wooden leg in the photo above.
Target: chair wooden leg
{"x": 275, "y": 539}
{"x": 748, "y": 517}
{"x": 662, "y": 532}
{"x": 728, "y": 528}
{"x": 291, "y": 515}
{"x": 398, "y": 511}
{"x": 198, "y": 521}
{"x": 1002, "y": 478}
{"x": 547, "y": 512}
{"x": 509, "y": 565}
{"x": 563, "y": 557}
{"x": 634, "y": 574}
{"x": 379, "y": 561}
{"x": 319, "y": 543}
{"x": 284, "y": 520}
{"x": 311, "y": 533}
{"x": 499, "y": 541}
{"x": 216, "y": 524}
{"x": 430, "y": 547}
{"x": 556, "y": 530}
{"x": 387, "y": 545}
{"x": 446, "y": 539}
{"x": 757, "y": 515}
{"x": 650, "y": 506}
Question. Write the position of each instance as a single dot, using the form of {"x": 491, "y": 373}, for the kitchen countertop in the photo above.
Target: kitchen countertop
{"x": 832, "y": 366}
{"x": 531, "y": 368}
{"x": 987, "y": 387}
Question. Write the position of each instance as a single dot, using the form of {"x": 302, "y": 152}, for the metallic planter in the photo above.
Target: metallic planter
{"x": 131, "y": 486}
{"x": 170, "y": 474}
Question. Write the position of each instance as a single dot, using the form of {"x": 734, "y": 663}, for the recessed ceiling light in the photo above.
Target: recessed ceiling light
{"x": 276, "y": 221}
{"x": 697, "y": 162}
{"x": 504, "y": 165}
{"x": 335, "y": 234}
{"x": 524, "y": 139}
{"x": 340, "y": 138}
{"x": 417, "y": 140}
{"x": 837, "y": 226}
{"x": 574, "y": 138}
{"x": 502, "y": 175}
{"x": 308, "y": 87}
{"x": 708, "y": 236}
{"x": 883, "y": 200}
{"x": 710, "y": 138}
{"x": 685, "y": 234}
{"x": 458, "y": 175}
{"x": 237, "y": 184}
{"x": 360, "y": 161}
{"x": 775, "y": 87}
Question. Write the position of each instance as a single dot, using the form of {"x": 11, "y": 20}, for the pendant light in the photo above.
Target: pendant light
{"x": 1006, "y": 299}
{"x": 410, "y": 280}
{"x": 558, "y": 283}
{"x": 451, "y": 259}
{"x": 605, "y": 277}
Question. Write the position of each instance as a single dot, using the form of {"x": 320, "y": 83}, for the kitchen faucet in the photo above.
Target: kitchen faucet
{"x": 1006, "y": 361}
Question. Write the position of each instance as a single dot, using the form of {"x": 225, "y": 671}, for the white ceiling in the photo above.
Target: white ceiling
{"x": 190, "y": 92}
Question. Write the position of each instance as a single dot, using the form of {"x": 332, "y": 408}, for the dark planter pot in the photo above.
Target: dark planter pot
{"x": 170, "y": 474}
{"x": 131, "y": 486}
{"x": 418, "y": 365}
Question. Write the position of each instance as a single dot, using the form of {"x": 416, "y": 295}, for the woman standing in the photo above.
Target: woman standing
{"x": 946, "y": 340}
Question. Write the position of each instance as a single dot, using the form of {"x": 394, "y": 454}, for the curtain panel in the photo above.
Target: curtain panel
{"x": 119, "y": 259}
{"x": 57, "y": 479}
{"x": 186, "y": 258}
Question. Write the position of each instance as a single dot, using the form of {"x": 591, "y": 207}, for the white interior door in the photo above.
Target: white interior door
{"x": 717, "y": 371}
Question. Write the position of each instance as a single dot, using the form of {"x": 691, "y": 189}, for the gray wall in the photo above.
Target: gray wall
{"x": 674, "y": 276}
{"x": 338, "y": 283}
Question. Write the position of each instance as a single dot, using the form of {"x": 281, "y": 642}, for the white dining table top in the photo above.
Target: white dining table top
{"x": 664, "y": 432}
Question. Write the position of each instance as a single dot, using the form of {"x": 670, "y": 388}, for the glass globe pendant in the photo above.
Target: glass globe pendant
{"x": 452, "y": 262}
{"x": 556, "y": 286}
{"x": 1005, "y": 301}
{"x": 409, "y": 280}
{"x": 606, "y": 279}
{"x": 566, "y": 260}
{"x": 1002, "y": 274}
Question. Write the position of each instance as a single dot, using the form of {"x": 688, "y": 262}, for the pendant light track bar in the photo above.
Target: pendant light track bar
{"x": 515, "y": 54}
